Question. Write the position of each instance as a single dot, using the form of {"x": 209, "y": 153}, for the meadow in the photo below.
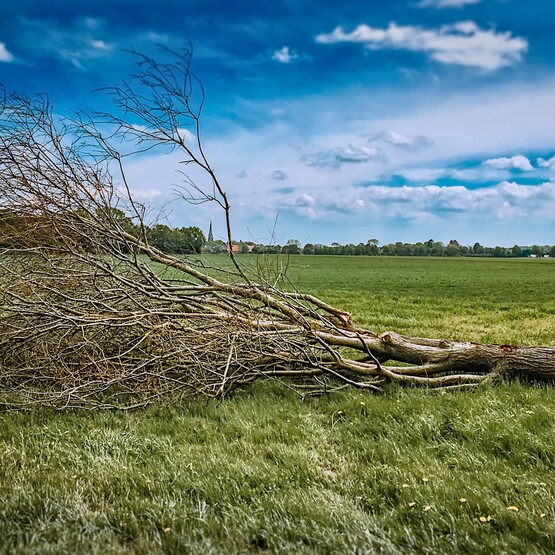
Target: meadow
{"x": 265, "y": 471}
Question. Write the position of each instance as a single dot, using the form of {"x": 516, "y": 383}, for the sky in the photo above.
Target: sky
{"x": 404, "y": 120}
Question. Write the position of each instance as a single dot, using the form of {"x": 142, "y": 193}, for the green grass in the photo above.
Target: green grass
{"x": 266, "y": 472}
{"x": 484, "y": 300}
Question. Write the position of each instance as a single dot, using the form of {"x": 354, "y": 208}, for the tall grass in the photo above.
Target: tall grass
{"x": 266, "y": 472}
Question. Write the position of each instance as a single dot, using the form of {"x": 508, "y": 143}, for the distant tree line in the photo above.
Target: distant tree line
{"x": 427, "y": 248}
{"x": 191, "y": 240}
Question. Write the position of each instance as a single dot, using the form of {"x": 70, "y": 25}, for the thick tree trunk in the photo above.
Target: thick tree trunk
{"x": 460, "y": 360}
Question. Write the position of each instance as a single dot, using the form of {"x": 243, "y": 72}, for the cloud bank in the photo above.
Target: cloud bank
{"x": 462, "y": 43}
{"x": 506, "y": 201}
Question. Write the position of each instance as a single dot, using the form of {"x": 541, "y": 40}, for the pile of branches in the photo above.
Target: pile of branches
{"x": 92, "y": 315}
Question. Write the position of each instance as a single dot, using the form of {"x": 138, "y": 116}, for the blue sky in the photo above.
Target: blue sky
{"x": 402, "y": 120}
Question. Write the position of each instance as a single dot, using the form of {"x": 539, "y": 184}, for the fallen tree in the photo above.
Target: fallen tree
{"x": 93, "y": 315}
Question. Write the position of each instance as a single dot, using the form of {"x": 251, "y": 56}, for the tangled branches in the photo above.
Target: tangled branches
{"x": 92, "y": 315}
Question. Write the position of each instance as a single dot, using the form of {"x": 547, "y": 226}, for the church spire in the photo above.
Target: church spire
{"x": 210, "y": 236}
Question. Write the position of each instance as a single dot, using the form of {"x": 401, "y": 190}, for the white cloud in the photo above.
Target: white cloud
{"x": 145, "y": 194}
{"x": 77, "y": 43}
{"x": 406, "y": 142}
{"x": 188, "y": 136}
{"x": 350, "y": 154}
{"x": 462, "y": 43}
{"x": 5, "y": 56}
{"x": 305, "y": 201}
{"x": 284, "y": 55}
{"x": 319, "y": 206}
{"x": 549, "y": 164}
{"x": 440, "y": 4}
{"x": 100, "y": 44}
{"x": 518, "y": 162}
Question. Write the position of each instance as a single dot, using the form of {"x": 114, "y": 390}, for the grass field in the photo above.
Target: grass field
{"x": 403, "y": 472}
